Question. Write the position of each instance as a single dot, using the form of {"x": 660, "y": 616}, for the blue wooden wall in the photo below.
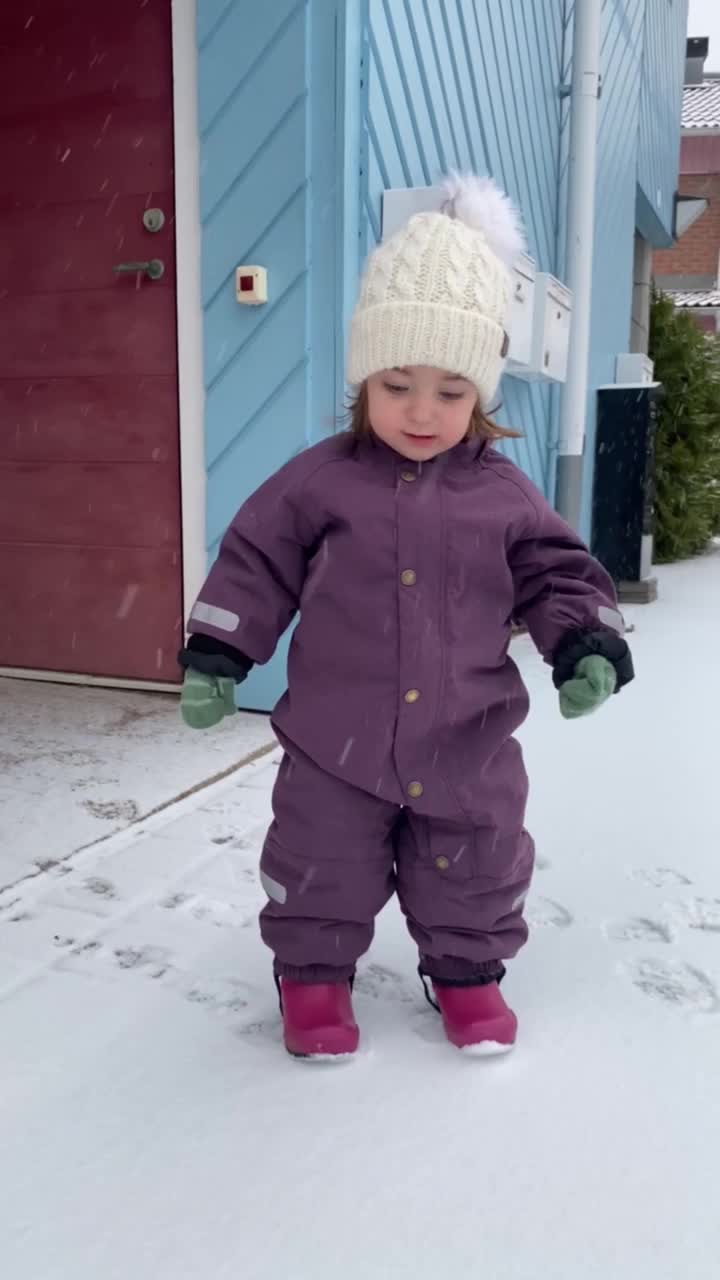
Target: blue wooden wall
{"x": 660, "y": 107}
{"x": 310, "y": 109}
{"x": 617, "y": 167}
{"x": 267, "y": 102}
{"x": 470, "y": 84}
{"x": 638, "y": 146}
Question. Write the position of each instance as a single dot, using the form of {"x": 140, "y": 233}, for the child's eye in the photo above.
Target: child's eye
{"x": 394, "y": 388}
{"x": 451, "y": 395}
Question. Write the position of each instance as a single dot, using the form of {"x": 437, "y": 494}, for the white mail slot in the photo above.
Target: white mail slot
{"x": 522, "y": 306}
{"x": 552, "y": 314}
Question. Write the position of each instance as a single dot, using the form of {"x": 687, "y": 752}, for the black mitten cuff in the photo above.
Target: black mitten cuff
{"x": 215, "y": 658}
{"x": 577, "y": 645}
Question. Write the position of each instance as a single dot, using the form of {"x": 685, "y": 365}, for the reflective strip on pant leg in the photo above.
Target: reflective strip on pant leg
{"x": 519, "y": 901}
{"x": 273, "y": 888}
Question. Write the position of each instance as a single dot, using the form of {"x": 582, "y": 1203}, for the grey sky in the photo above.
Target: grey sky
{"x": 704, "y": 20}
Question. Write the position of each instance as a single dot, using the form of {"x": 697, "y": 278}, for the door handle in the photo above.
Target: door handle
{"x": 153, "y": 269}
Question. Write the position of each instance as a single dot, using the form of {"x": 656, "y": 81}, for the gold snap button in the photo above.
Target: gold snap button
{"x": 412, "y": 695}
{"x": 415, "y": 790}
{"x": 408, "y": 577}
{"x": 442, "y": 863}
{"x": 408, "y": 476}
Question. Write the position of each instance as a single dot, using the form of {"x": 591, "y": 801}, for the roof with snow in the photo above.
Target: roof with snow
{"x": 701, "y": 105}
{"x": 694, "y": 297}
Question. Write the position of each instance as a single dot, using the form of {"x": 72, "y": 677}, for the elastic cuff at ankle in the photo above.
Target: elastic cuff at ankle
{"x": 314, "y": 973}
{"x": 454, "y": 971}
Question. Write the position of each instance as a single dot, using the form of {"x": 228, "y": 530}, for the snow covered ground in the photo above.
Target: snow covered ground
{"x": 153, "y": 1129}
{"x": 77, "y": 764}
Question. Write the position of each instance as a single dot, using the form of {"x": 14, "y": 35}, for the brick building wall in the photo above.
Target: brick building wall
{"x": 708, "y": 323}
{"x": 698, "y": 251}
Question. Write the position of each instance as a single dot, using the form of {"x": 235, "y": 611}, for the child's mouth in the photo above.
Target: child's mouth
{"x": 416, "y": 439}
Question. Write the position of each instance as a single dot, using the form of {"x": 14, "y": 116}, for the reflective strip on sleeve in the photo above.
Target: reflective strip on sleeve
{"x": 223, "y": 619}
{"x": 612, "y": 618}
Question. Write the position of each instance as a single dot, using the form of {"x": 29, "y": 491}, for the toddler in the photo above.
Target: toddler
{"x": 408, "y": 546}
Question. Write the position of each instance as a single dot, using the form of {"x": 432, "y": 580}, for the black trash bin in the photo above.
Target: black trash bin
{"x": 624, "y": 491}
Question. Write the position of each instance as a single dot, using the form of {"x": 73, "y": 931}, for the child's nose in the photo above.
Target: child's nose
{"x": 420, "y": 410}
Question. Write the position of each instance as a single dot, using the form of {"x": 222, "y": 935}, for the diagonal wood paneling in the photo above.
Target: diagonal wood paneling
{"x": 456, "y": 83}
{"x": 267, "y": 196}
{"x": 660, "y": 110}
{"x": 445, "y": 83}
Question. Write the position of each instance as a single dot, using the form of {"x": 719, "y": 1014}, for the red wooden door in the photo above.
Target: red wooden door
{"x": 90, "y": 556}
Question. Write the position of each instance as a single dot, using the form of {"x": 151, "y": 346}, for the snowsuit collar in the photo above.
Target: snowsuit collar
{"x": 468, "y": 454}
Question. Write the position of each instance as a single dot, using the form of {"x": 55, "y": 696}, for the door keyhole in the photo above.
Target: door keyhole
{"x": 153, "y": 220}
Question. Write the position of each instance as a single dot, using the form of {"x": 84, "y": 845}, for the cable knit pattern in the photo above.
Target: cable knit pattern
{"x": 433, "y": 294}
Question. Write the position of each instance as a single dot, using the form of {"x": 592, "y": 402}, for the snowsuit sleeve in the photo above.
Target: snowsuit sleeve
{"x": 253, "y": 589}
{"x": 561, "y": 592}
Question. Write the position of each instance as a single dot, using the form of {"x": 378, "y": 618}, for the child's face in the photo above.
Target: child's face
{"x": 420, "y": 411}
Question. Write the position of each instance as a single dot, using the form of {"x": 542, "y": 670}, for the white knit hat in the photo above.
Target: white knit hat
{"x": 438, "y": 291}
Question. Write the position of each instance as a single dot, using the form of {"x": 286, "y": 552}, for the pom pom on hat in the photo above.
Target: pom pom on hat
{"x": 484, "y": 207}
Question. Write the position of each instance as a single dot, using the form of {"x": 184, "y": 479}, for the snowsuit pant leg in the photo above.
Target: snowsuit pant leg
{"x": 462, "y": 889}
{"x": 328, "y": 870}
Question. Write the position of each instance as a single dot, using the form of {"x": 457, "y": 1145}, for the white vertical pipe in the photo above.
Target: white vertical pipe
{"x": 585, "y": 92}
{"x": 191, "y": 393}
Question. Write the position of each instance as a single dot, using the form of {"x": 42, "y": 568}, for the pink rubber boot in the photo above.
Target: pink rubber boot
{"x": 318, "y": 1019}
{"x": 477, "y": 1019}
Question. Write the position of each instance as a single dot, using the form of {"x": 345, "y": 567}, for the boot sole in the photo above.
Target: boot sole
{"x": 328, "y": 1045}
{"x": 325, "y": 1059}
{"x": 485, "y": 1049}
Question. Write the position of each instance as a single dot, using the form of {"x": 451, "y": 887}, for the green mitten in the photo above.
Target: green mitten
{"x": 595, "y": 681}
{"x": 205, "y": 700}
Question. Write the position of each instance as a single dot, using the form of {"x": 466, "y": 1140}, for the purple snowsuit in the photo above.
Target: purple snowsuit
{"x": 401, "y": 772}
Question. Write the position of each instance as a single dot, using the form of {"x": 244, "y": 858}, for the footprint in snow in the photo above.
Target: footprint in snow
{"x": 676, "y": 984}
{"x": 112, "y": 810}
{"x": 222, "y": 996}
{"x": 94, "y": 895}
{"x": 218, "y": 995}
{"x": 155, "y": 961}
{"x": 428, "y": 1026}
{"x": 100, "y": 887}
{"x": 13, "y": 911}
{"x": 151, "y": 961}
{"x": 245, "y": 844}
{"x": 175, "y": 900}
{"x": 545, "y": 913}
{"x": 659, "y": 877}
{"x": 639, "y": 929}
{"x": 698, "y": 913}
{"x": 260, "y": 1031}
{"x": 220, "y": 912}
{"x": 382, "y": 984}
